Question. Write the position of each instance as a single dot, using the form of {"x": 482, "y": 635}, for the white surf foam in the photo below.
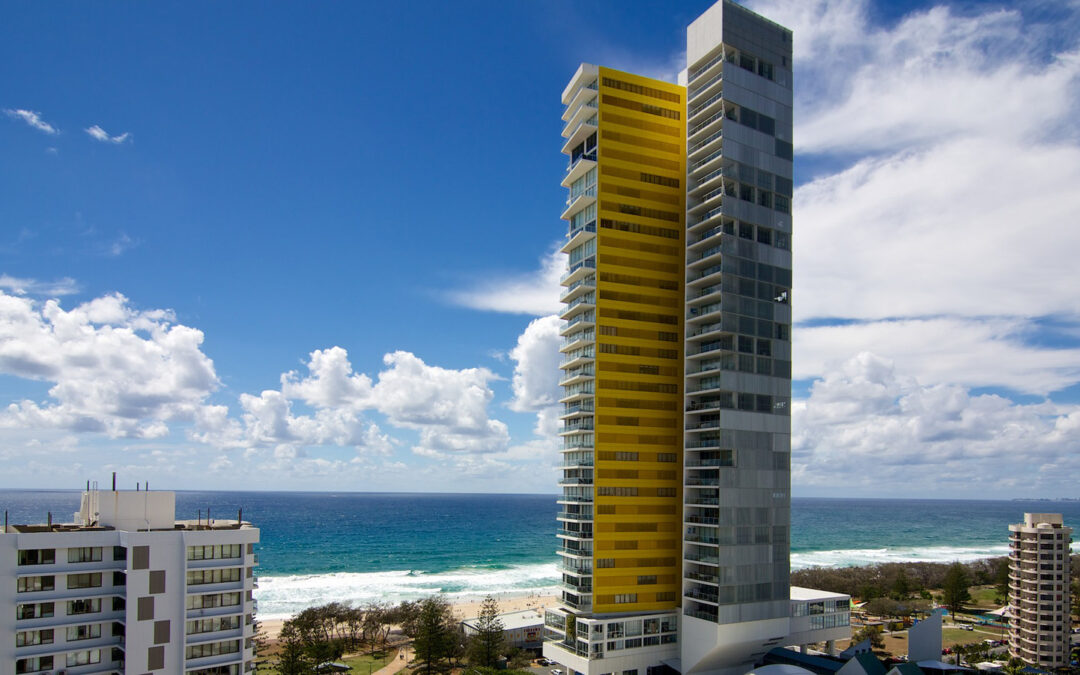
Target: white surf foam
{"x": 283, "y": 596}
{"x": 873, "y": 556}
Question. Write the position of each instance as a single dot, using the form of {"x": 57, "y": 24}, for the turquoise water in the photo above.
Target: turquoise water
{"x": 360, "y": 547}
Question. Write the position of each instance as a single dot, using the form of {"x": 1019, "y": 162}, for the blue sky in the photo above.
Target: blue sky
{"x": 304, "y": 246}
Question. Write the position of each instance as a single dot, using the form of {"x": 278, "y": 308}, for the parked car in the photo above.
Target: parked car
{"x": 556, "y": 671}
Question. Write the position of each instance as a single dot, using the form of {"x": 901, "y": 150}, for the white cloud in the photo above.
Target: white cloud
{"x": 449, "y": 407}
{"x": 534, "y": 293}
{"x": 972, "y": 227}
{"x": 99, "y": 134}
{"x": 983, "y": 352}
{"x": 24, "y": 286}
{"x": 865, "y": 427}
{"x": 536, "y": 365}
{"x": 114, "y": 369}
{"x": 33, "y": 119}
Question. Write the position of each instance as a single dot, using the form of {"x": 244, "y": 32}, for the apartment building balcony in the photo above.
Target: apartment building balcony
{"x": 707, "y": 239}
{"x": 580, "y": 568}
{"x": 577, "y": 375}
{"x": 705, "y": 257}
{"x": 577, "y": 340}
{"x": 581, "y": 392}
{"x": 705, "y": 106}
{"x": 702, "y": 558}
{"x": 574, "y": 480}
{"x": 704, "y": 220}
{"x": 702, "y": 501}
{"x": 704, "y": 88}
{"x": 574, "y": 551}
{"x": 575, "y": 116}
{"x": 574, "y": 534}
{"x": 578, "y": 93}
{"x": 706, "y": 163}
{"x": 702, "y": 482}
{"x": 578, "y": 602}
{"x": 707, "y": 124}
{"x": 698, "y": 610}
{"x": 706, "y": 144}
{"x": 579, "y": 270}
{"x": 577, "y": 236}
{"x": 577, "y": 359}
{"x": 703, "y": 336}
{"x": 702, "y": 539}
{"x": 578, "y": 166}
{"x": 698, "y": 279}
{"x": 584, "y": 128}
{"x": 580, "y": 322}
{"x": 579, "y": 287}
{"x": 698, "y": 519}
{"x": 575, "y": 517}
{"x": 704, "y": 314}
{"x": 576, "y": 203}
{"x": 707, "y": 70}
{"x": 702, "y": 595}
{"x": 574, "y": 499}
{"x": 577, "y": 409}
{"x": 702, "y": 577}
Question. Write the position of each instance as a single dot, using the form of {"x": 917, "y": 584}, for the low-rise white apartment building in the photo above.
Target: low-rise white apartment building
{"x": 127, "y": 588}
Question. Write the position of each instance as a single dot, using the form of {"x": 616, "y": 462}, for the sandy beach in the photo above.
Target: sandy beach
{"x": 464, "y": 608}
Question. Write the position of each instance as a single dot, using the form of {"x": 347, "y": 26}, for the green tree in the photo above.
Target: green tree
{"x": 487, "y": 645}
{"x": 1014, "y": 667}
{"x": 293, "y": 659}
{"x": 955, "y": 587}
{"x": 873, "y": 633}
{"x": 435, "y": 633}
{"x": 901, "y": 587}
{"x": 1001, "y": 580}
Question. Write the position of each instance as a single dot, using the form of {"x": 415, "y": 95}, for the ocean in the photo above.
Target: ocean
{"x": 364, "y": 547}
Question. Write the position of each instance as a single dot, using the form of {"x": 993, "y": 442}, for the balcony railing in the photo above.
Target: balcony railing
{"x": 589, "y": 263}
{"x": 591, "y": 156}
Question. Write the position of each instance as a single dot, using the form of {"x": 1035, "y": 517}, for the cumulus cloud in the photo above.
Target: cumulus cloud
{"x": 535, "y": 293}
{"x": 33, "y": 119}
{"x": 99, "y": 134}
{"x": 447, "y": 407}
{"x": 864, "y": 426}
{"x": 536, "y": 365}
{"x": 113, "y": 369}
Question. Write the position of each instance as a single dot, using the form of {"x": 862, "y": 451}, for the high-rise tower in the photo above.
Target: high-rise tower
{"x": 676, "y": 381}
{"x": 1039, "y": 627}
{"x": 622, "y": 369}
{"x": 738, "y": 338}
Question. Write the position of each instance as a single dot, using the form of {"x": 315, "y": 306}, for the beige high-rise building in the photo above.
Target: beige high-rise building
{"x": 1039, "y": 590}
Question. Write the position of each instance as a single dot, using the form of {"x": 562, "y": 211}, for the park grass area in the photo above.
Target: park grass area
{"x": 361, "y": 664}
{"x": 983, "y": 597}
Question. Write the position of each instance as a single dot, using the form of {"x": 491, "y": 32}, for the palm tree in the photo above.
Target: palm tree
{"x": 1014, "y": 667}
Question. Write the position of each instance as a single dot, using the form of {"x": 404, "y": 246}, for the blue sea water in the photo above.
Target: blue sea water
{"x": 363, "y": 547}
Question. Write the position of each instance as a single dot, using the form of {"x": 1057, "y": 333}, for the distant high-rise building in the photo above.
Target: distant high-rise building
{"x": 674, "y": 529}
{"x": 1039, "y": 625}
{"x": 126, "y": 588}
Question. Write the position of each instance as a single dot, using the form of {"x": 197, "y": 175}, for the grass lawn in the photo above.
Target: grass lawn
{"x": 359, "y": 663}
{"x": 983, "y": 597}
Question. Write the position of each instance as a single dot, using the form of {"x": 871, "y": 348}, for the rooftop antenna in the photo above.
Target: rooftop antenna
{"x": 50, "y": 518}
{"x": 5, "y": 521}
{"x": 240, "y": 516}
{"x": 114, "y": 481}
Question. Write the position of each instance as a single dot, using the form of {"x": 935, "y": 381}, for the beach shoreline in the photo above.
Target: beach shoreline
{"x": 463, "y": 607}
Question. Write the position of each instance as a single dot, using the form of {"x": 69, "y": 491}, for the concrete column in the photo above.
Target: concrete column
{"x": 830, "y": 647}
